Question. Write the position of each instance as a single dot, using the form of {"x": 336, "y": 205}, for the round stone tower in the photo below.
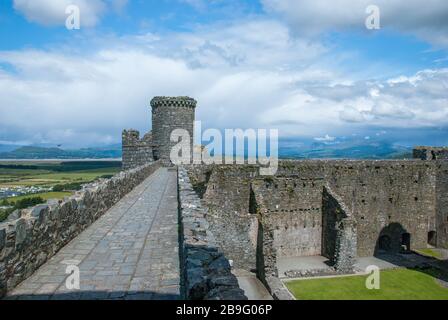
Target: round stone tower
{"x": 168, "y": 114}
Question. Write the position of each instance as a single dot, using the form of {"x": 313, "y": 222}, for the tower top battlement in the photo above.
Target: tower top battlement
{"x": 173, "y": 102}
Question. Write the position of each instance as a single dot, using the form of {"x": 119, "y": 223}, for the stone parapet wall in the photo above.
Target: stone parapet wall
{"x": 205, "y": 271}
{"x": 277, "y": 289}
{"x": 40, "y": 232}
{"x": 136, "y": 152}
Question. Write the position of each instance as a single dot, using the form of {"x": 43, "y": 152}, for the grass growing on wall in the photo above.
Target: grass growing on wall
{"x": 399, "y": 284}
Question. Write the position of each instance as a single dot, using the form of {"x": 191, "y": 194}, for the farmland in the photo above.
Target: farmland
{"x": 48, "y": 180}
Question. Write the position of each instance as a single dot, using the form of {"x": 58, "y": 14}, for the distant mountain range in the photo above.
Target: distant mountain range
{"x": 32, "y": 152}
{"x": 343, "y": 149}
{"x": 288, "y": 148}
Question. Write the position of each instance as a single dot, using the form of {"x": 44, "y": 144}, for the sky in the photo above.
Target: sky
{"x": 309, "y": 68}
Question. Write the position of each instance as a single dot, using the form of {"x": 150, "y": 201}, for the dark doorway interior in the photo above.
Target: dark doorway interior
{"x": 406, "y": 241}
{"x": 432, "y": 238}
{"x": 384, "y": 243}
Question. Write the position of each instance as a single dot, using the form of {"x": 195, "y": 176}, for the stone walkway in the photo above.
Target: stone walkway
{"x": 131, "y": 252}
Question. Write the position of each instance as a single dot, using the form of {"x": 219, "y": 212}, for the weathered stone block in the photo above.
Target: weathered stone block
{"x": 21, "y": 231}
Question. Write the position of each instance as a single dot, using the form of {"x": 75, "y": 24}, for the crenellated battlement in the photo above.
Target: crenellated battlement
{"x": 173, "y": 102}
{"x": 168, "y": 114}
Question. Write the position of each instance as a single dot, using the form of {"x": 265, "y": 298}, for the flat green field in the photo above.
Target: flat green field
{"x": 45, "y": 196}
{"x": 46, "y": 175}
{"x": 399, "y": 284}
{"x": 65, "y": 176}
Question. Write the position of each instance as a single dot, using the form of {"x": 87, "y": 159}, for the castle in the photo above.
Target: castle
{"x": 168, "y": 113}
{"x": 162, "y": 231}
{"x": 337, "y": 209}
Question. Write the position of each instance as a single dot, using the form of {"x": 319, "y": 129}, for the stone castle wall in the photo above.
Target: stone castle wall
{"x": 136, "y": 151}
{"x": 441, "y": 223}
{"x": 168, "y": 114}
{"x": 289, "y": 206}
{"x": 206, "y": 272}
{"x": 385, "y": 193}
{"x": 227, "y": 196}
{"x": 339, "y": 232}
{"x": 28, "y": 242}
{"x": 384, "y": 198}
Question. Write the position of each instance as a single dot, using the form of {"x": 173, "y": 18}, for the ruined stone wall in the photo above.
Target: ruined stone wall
{"x": 339, "y": 232}
{"x": 228, "y": 196}
{"x": 292, "y": 207}
{"x": 41, "y": 231}
{"x": 441, "y": 226}
{"x": 380, "y": 194}
{"x": 168, "y": 114}
{"x": 199, "y": 177}
{"x": 205, "y": 270}
{"x": 136, "y": 151}
{"x": 431, "y": 153}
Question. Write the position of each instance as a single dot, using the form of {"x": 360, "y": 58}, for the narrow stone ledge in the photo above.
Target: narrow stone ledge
{"x": 278, "y": 289}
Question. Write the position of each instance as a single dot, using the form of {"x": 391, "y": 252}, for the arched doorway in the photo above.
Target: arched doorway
{"x": 384, "y": 243}
{"x": 432, "y": 238}
{"x": 406, "y": 241}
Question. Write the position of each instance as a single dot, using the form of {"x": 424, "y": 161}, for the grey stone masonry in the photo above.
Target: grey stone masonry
{"x": 206, "y": 272}
{"x": 131, "y": 252}
{"x": 169, "y": 114}
{"x": 340, "y": 235}
{"x": 136, "y": 152}
{"x": 40, "y": 232}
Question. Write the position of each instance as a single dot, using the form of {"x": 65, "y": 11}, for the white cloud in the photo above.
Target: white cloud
{"x": 52, "y": 12}
{"x": 326, "y": 138}
{"x": 425, "y": 19}
{"x": 251, "y": 74}
{"x": 351, "y": 114}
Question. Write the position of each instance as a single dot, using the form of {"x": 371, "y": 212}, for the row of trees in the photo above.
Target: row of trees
{"x": 19, "y": 204}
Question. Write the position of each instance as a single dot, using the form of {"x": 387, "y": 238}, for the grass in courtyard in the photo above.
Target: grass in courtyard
{"x": 430, "y": 253}
{"x": 399, "y": 284}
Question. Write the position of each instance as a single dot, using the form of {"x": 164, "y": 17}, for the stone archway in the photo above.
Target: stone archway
{"x": 392, "y": 239}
